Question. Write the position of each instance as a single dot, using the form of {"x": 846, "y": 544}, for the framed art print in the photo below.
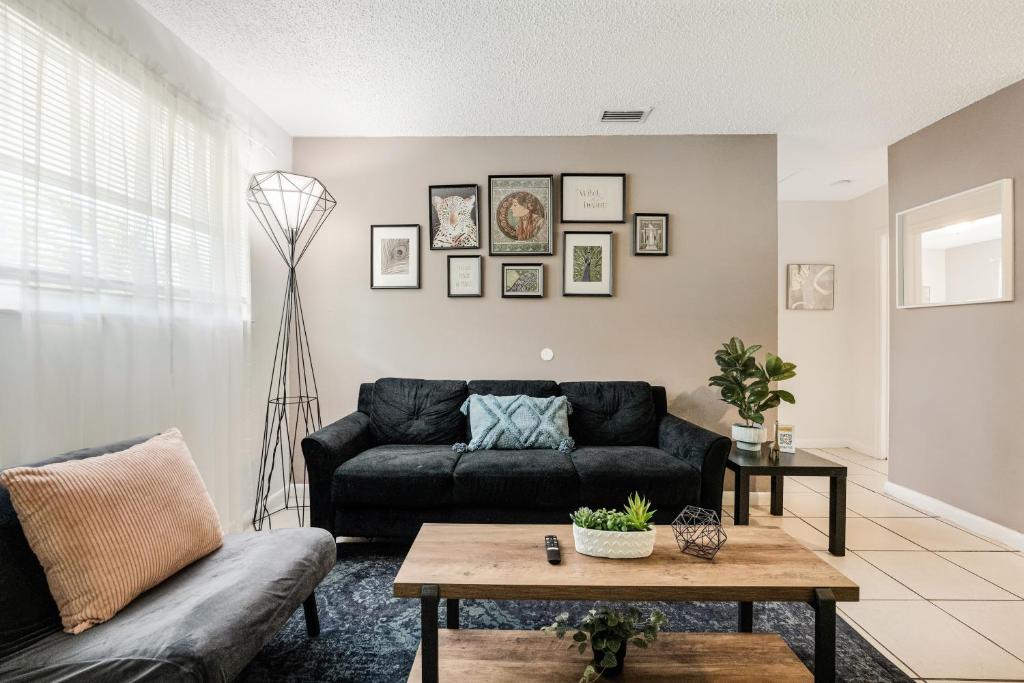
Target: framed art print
{"x": 522, "y": 280}
{"x": 454, "y": 217}
{"x": 650, "y": 234}
{"x": 465, "y": 277}
{"x": 394, "y": 256}
{"x": 586, "y": 263}
{"x": 521, "y": 214}
{"x": 810, "y": 286}
{"x": 593, "y": 198}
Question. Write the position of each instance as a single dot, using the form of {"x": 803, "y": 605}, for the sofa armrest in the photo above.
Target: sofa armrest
{"x": 325, "y": 450}
{"x": 703, "y": 449}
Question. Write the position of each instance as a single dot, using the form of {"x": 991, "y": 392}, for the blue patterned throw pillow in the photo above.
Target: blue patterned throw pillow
{"x": 517, "y": 422}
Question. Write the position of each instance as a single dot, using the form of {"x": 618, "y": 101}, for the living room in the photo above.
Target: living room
{"x": 460, "y": 341}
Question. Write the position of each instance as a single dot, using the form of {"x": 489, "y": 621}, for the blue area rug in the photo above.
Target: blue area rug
{"x": 368, "y": 636}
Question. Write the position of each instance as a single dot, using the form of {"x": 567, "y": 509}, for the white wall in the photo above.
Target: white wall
{"x": 838, "y": 353}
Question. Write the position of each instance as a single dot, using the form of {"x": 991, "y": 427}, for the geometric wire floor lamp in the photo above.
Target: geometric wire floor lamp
{"x": 291, "y": 209}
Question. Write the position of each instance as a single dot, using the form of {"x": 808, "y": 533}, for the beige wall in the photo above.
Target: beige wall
{"x": 956, "y": 371}
{"x": 839, "y": 353}
{"x": 663, "y": 325}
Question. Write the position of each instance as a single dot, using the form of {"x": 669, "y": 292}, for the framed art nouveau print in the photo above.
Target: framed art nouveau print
{"x": 522, "y": 214}
{"x": 394, "y": 256}
{"x": 522, "y": 280}
{"x": 650, "y": 234}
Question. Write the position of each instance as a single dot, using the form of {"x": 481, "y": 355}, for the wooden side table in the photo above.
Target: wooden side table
{"x": 746, "y": 464}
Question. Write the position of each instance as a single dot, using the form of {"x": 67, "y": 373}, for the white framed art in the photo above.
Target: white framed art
{"x": 586, "y": 263}
{"x": 593, "y": 197}
{"x": 465, "y": 276}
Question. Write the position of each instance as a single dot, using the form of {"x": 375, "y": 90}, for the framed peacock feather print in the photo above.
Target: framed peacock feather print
{"x": 586, "y": 263}
{"x": 394, "y": 257}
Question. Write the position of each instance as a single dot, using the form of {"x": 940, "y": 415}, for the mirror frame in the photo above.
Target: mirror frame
{"x": 1006, "y": 189}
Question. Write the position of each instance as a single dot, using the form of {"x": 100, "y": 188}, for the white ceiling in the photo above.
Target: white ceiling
{"x": 838, "y": 80}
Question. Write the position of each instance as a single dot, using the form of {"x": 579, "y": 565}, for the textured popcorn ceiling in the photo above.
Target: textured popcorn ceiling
{"x": 837, "y": 80}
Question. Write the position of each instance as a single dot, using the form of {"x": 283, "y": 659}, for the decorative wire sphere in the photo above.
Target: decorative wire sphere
{"x": 699, "y": 532}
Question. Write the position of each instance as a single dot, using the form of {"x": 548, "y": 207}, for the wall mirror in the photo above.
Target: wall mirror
{"x": 957, "y": 250}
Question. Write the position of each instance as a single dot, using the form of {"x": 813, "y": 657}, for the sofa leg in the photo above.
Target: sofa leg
{"x": 312, "y": 618}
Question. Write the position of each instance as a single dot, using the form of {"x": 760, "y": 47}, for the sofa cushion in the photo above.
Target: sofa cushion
{"x": 538, "y": 388}
{"x": 205, "y": 623}
{"x": 29, "y": 612}
{"x": 517, "y": 422}
{"x": 403, "y": 475}
{"x": 106, "y": 529}
{"x": 609, "y": 474}
{"x": 418, "y": 411}
{"x": 516, "y": 479}
{"x": 611, "y": 413}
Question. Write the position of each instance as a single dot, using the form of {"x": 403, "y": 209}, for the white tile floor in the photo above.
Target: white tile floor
{"x": 942, "y": 603}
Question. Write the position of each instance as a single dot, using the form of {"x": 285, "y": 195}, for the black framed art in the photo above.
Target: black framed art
{"x": 522, "y": 215}
{"x": 522, "y": 280}
{"x": 650, "y": 234}
{"x": 587, "y": 263}
{"x": 593, "y": 197}
{"x": 454, "y": 216}
{"x": 394, "y": 256}
{"x": 465, "y": 276}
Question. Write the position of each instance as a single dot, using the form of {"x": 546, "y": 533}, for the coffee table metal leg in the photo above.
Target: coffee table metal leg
{"x": 428, "y": 627}
{"x": 746, "y": 620}
{"x": 452, "y": 612}
{"x": 824, "y": 636}
{"x": 837, "y": 515}
{"x": 777, "y": 486}
{"x": 741, "y": 500}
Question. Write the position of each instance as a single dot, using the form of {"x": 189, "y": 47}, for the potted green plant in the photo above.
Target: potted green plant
{"x": 746, "y": 384}
{"x": 608, "y": 632}
{"x": 626, "y": 533}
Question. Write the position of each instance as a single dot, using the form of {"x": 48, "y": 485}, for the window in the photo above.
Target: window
{"x": 116, "y": 191}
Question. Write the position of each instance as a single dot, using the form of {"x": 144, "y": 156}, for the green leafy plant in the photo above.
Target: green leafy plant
{"x": 608, "y": 631}
{"x": 636, "y": 515}
{"x": 745, "y": 383}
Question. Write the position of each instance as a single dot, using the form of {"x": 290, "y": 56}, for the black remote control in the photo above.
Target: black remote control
{"x": 551, "y": 545}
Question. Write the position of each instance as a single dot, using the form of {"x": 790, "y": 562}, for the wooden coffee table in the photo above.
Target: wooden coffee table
{"x": 507, "y": 562}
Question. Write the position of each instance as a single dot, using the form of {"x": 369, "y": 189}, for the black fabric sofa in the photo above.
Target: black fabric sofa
{"x": 387, "y": 468}
{"x": 202, "y": 624}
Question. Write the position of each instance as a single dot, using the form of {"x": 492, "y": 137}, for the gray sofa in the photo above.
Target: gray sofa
{"x": 203, "y": 624}
{"x": 387, "y": 468}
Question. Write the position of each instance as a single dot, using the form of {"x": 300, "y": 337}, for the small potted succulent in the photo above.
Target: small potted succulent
{"x": 608, "y": 632}
{"x": 626, "y": 533}
{"x": 745, "y": 384}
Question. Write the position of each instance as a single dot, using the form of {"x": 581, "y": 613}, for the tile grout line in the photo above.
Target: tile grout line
{"x": 886, "y": 652}
{"x": 966, "y": 625}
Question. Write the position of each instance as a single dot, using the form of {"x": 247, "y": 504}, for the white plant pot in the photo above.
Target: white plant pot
{"x": 748, "y": 438}
{"x": 614, "y": 544}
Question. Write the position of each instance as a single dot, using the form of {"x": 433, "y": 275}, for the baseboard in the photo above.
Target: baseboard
{"x": 963, "y": 518}
{"x": 756, "y": 497}
{"x": 862, "y": 448}
{"x": 275, "y": 501}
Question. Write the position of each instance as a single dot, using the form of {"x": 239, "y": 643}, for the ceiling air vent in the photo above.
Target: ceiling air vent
{"x": 624, "y": 115}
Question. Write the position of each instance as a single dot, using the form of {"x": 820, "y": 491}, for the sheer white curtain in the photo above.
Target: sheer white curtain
{"x": 124, "y": 292}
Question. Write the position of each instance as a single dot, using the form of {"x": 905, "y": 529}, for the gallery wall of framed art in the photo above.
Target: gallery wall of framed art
{"x": 716, "y": 192}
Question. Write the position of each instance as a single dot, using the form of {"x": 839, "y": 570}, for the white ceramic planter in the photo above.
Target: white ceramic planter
{"x": 614, "y": 544}
{"x": 748, "y": 438}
